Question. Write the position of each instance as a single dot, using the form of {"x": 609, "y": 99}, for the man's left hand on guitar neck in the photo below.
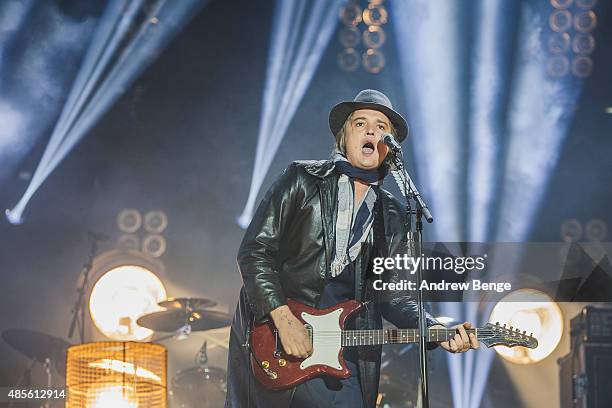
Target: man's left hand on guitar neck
{"x": 462, "y": 342}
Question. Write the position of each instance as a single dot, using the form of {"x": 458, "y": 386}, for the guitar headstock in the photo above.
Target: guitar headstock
{"x": 495, "y": 335}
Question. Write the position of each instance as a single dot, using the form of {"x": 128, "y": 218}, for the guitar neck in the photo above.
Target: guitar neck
{"x": 396, "y": 336}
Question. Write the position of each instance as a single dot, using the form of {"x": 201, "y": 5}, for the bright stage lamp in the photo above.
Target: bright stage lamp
{"x": 120, "y": 297}
{"x": 112, "y": 395}
{"x": 116, "y": 374}
{"x": 532, "y": 311}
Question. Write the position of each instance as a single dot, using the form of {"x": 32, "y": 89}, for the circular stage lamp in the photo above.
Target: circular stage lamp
{"x": 350, "y": 15}
{"x": 129, "y": 220}
{"x": 350, "y": 37}
{"x": 128, "y": 242}
{"x": 586, "y": 4}
{"x": 374, "y": 37}
{"x": 571, "y": 230}
{"x": 596, "y": 230}
{"x": 558, "y": 66}
{"x": 116, "y": 374}
{"x": 154, "y": 245}
{"x": 373, "y": 61}
{"x": 582, "y": 66}
{"x": 348, "y": 60}
{"x": 560, "y": 20}
{"x": 155, "y": 222}
{"x": 585, "y": 21}
{"x": 583, "y": 44}
{"x": 558, "y": 43}
{"x": 375, "y": 15}
{"x": 561, "y": 4}
{"x": 535, "y": 312}
{"x": 120, "y": 296}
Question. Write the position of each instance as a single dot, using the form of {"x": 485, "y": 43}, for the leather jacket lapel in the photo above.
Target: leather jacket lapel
{"x": 329, "y": 197}
{"x": 384, "y": 206}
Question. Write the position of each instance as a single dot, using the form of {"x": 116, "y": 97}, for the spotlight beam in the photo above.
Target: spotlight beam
{"x": 428, "y": 47}
{"x": 98, "y": 84}
{"x": 297, "y": 45}
{"x": 540, "y": 114}
{"x": 485, "y": 129}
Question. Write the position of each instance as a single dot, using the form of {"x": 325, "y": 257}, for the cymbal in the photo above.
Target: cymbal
{"x": 187, "y": 303}
{"x": 172, "y": 320}
{"x": 38, "y": 346}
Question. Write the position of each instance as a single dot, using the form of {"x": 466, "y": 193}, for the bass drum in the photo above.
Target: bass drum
{"x": 203, "y": 387}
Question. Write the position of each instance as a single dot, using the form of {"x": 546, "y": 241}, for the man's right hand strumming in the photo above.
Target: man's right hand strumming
{"x": 294, "y": 336}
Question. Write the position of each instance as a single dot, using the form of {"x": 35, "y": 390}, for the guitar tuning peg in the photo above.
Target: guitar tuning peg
{"x": 530, "y": 334}
{"x": 497, "y": 323}
{"x": 511, "y": 328}
{"x": 504, "y": 324}
{"x": 524, "y": 331}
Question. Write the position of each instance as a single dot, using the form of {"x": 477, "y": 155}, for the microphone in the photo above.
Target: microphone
{"x": 390, "y": 141}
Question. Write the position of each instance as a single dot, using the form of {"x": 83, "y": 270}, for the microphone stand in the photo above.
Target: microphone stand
{"x": 415, "y": 246}
{"x": 78, "y": 311}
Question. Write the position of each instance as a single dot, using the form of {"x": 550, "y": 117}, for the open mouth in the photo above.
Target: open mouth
{"x": 367, "y": 148}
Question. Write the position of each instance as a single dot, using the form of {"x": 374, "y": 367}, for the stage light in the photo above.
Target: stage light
{"x": 586, "y": 4}
{"x": 561, "y": 4}
{"x": 585, "y": 21}
{"x": 596, "y": 230}
{"x": 558, "y": 66}
{"x": 121, "y": 47}
{"x": 350, "y": 15}
{"x": 582, "y": 66}
{"x": 609, "y": 109}
{"x": 558, "y": 43}
{"x": 129, "y": 220}
{"x": 375, "y": 15}
{"x": 534, "y": 312}
{"x": 373, "y": 61}
{"x": 125, "y": 368}
{"x": 128, "y": 242}
{"x": 299, "y": 38}
{"x": 536, "y": 93}
{"x": 120, "y": 297}
{"x": 154, "y": 245}
{"x": 560, "y": 20}
{"x": 374, "y": 37}
{"x": 155, "y": 222}
{"x": 350, "y": 37}
{"x": 571, "y": 230}
{"x": 583, "y": 43}
{"x": 116, "y": 374}
{"x": 432, "y": 85}
{"x": 348, "y": 60}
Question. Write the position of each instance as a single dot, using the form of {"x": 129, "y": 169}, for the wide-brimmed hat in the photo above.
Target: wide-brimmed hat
{"x": 367, "y": 99}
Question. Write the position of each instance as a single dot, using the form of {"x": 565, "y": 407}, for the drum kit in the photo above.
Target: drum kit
{"x": 200, "y": 386}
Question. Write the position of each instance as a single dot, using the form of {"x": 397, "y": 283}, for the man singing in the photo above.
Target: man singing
{"x": 313, "y": 239}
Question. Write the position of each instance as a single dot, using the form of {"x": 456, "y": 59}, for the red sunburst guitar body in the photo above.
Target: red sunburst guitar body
{"x": 278, "y": 371}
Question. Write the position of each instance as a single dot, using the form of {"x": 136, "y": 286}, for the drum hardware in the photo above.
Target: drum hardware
{"x": 40, "y": 348}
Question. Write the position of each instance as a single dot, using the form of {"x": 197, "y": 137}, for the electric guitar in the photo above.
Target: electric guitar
{"x": 278, "y": 371}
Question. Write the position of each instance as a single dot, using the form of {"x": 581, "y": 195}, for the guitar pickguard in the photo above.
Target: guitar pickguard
{"x": 326, "y": 339}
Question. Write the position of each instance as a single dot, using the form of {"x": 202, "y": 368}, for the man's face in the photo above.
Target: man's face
{"x": 364, "y": 148}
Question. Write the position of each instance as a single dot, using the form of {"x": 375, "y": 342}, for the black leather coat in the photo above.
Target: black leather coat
{"x": 286, "y": 252}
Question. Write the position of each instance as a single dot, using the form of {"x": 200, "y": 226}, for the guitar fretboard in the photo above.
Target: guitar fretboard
{"x": 396, "y": 336}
